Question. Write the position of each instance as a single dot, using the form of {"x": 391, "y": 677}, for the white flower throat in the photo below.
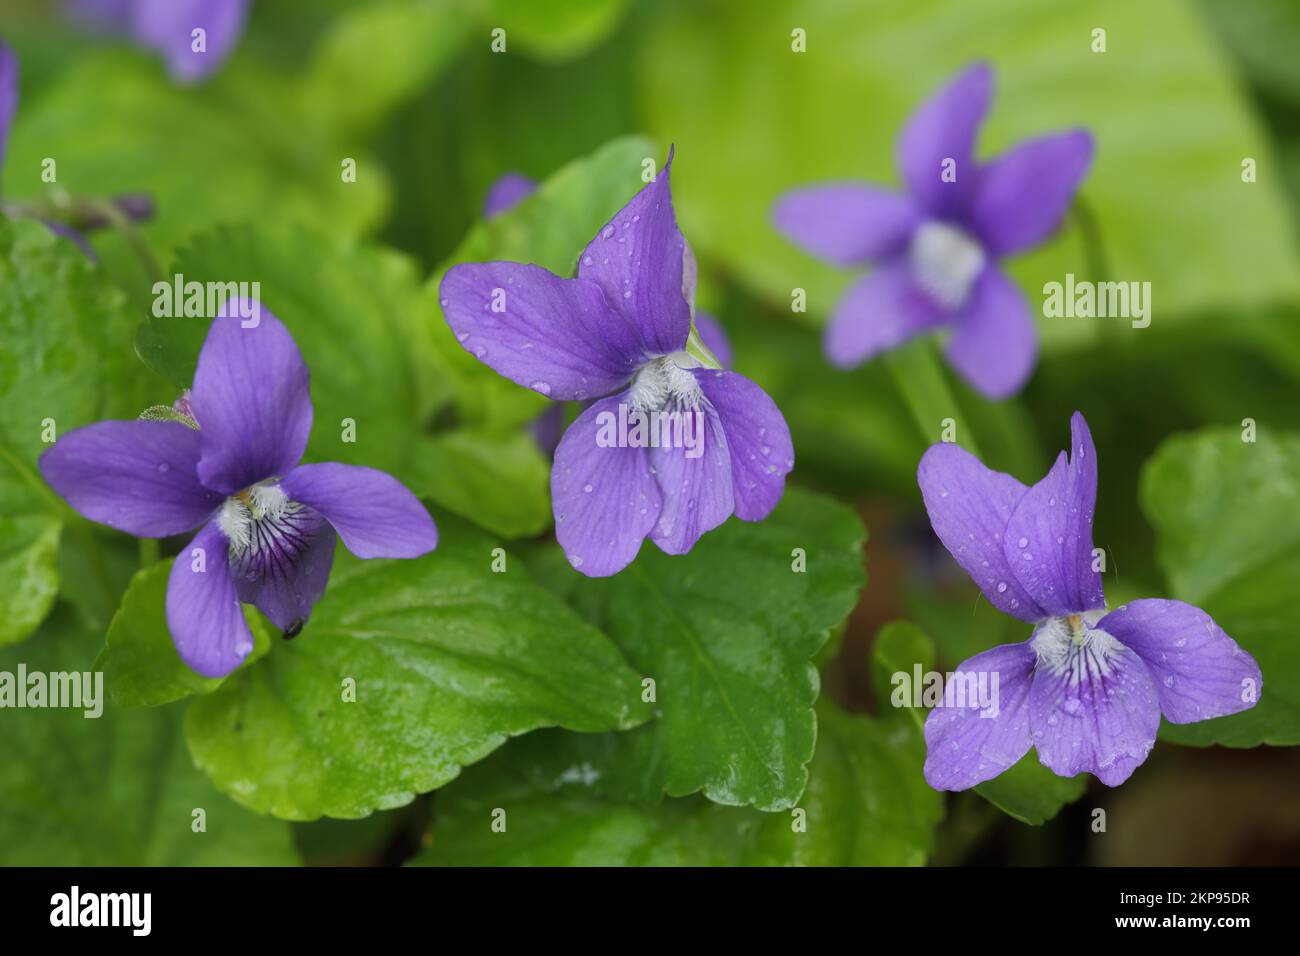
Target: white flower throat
{"x": 260, "y": 508}
{"x": 1075, "y": 645}
{"x": 945, "y": 262}
{"x": 666, "y": 382}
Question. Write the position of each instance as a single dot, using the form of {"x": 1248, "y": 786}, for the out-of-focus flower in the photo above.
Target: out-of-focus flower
{"x": 936, "y": 247}
{"x": 509, "y": 190}
{"x": 194, "y": 36}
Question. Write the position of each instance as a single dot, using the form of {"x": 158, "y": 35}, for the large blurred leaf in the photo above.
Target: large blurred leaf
{"x": 752, "y": 119}
{"x": 550, "y": 29}
{"x": 65, "y": 361}
{"x": 1227, "y": 513}
{"x": 362, "y": 319}
{"x": 727, "y": 633}
{"x": 1264, "y": 35}
{"x": 510, "y": 123}
{"x": 377, "y": 54}
{"x": 865, "y": 805}
{"x": 447, "y": 659}
{"x": 117, "y": 790}
{"x": 230, "y": 150}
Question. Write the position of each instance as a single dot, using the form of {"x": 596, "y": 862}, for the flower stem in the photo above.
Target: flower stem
{"x": 1094, "y": 249}
{"x": 920, "y": 380}
{"x": 123, "y": 223}
{"x": 149, "y": 551}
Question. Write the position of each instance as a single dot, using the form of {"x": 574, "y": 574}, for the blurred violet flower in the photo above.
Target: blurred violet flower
{"x": 225, "y": 459}
{"x": 936, "y": 247}
{"x": 8, "y": 95}
{"x": 508, "y": 191}
{"x": 169, "y": 27}
{"x": 77, "y": 217}
{"x": 620, "y": 333}
{"x": 1088, "y": 687}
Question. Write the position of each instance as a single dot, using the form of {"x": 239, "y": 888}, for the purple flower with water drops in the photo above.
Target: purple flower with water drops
{"x": 936, "y": 247}
{"x": 620, "y": 333}
{"x": 1088, "y": 687}
{"x": 508, "y": 191}
{"x": 194, "y": 37}
{"x": 226, "y": 459}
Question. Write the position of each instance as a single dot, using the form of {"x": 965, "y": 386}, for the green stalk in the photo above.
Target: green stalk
{"x": 135, "y": 239}
{"x": 920, "y": 380}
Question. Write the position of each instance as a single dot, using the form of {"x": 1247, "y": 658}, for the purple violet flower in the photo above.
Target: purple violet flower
{"x": 622, "y": 330}
{"x": 226, "y": 459}
{"x": 508, "y": 191}
{"x": 1088, "y": 687}
{"x": 167, "y": 27}
{"x": 936, "y": 247}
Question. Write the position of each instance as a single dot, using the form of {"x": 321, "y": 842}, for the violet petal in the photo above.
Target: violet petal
{"x": 963, "y": 748}
{"x": 994, "y": 344}
{"x": 8, "y": 95}
{"x": 758, "y": 440}
{"x": 605, "y": 499}
{"x": 507, "y": 192}
{"x": 252, "y": 400}
{"x": 136, "y": 476}
{"x": 1023, "y": 195}
{"x": 878, "y": 312}
{"x": 558, "y": 337}
{"x": 204, "y": 615}
{"x": 637, "y": 259}
{"x": 697, "y": 492}
{"x": 1048, "y": 541}
{"x": 1200, "y": 672}
{"x": 969, "y": 507}
{"x": 168, "y": 27}
{"x": 374, "y": 513}
{"x": 1092, "y": 707}
{"x": 944, "y": 128}
{"x": 286, "y": 573}
{"x": 846, "y": 224}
